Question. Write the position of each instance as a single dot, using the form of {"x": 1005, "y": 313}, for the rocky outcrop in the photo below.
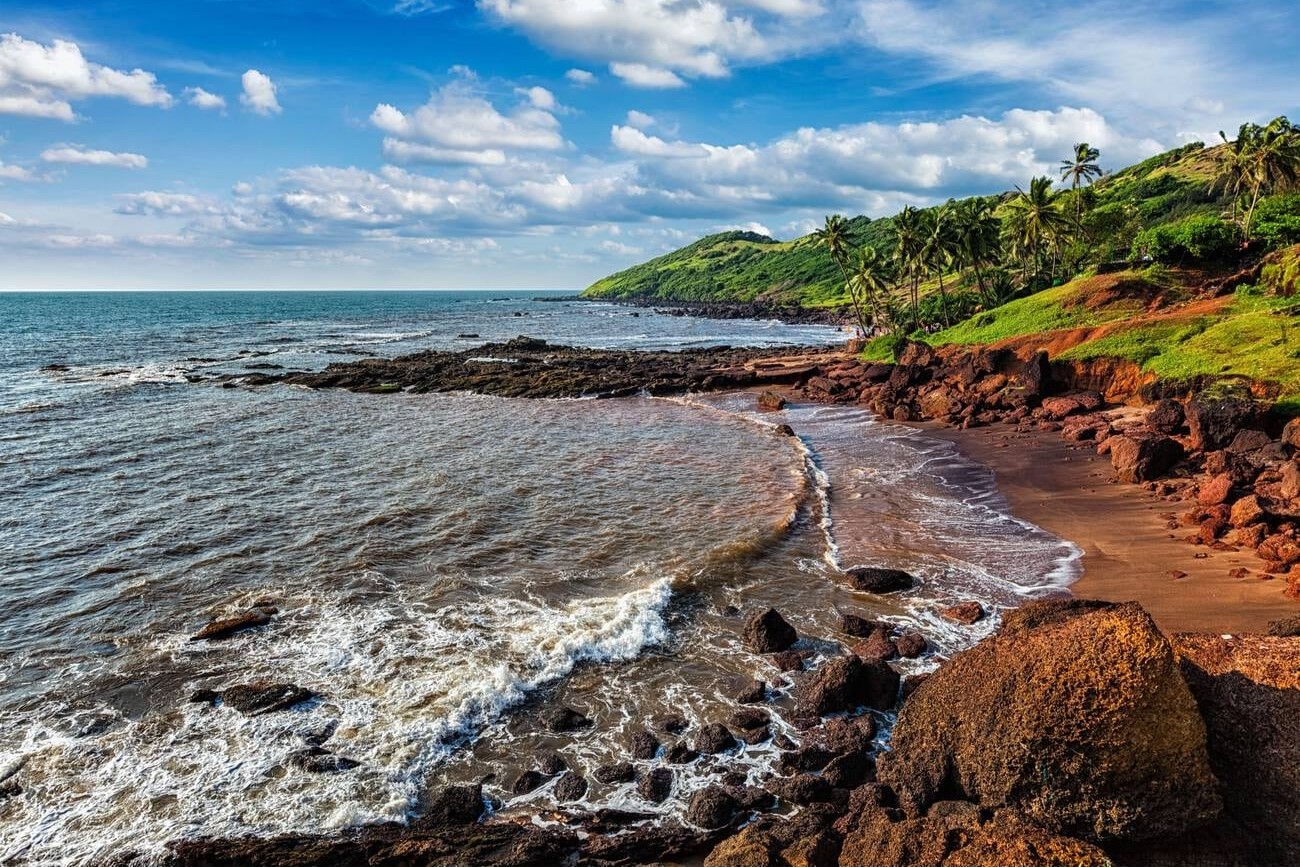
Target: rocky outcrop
{"x": 846, "y": 683}
{"x": 768, "y": 632}
{"x": 1075, "y": 717}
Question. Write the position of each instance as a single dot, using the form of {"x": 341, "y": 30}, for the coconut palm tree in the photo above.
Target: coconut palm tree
{"x": 834, "y": 236}
{"x": 1034, "y": 224}
{"x": 871, "y": 281}
{"x": 977, "y": 232}
{"x": 909, "y": 263}
{"x": 939, "y": 250}
{"x": 1261, "y": 160}
{"x": 1080, "y": 172}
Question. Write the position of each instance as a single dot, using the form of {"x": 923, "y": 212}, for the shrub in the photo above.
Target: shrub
{"x": 1198, "y": 237}
{"x": 1277, "y": 220}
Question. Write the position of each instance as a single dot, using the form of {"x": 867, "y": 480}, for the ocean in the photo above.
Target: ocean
{"x": 447, "y": 569}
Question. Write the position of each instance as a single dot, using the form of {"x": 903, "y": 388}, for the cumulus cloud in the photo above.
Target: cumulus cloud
{"x": 457, "y": 125}
{"x": 200, "y": 98}
{"x": 580, "y": 77}
{"x": 76, "y": 155}
{"x": 641, "y": 75}
{"x": 163, "y": 204}
{"x": 39, "y": 80}
{"x": 639, "y": 119}
{"x": 259, "y": 94}
{"x": 9, "y": 172}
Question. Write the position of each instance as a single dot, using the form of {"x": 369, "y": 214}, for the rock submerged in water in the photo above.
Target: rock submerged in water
{"x": 1074, "y": 715}
{"x": 768, "y": 632}
{"x": 566, "y": 719}
{"x": 714, "y": 738}
{"x": 265, "y": 696}
{"x": 656, "y": 786}
{"x": 871, "y": 579}
{"x": 644, "y": 746}
{"x": 570, "y": 787}
{"x": 227, "y": 627}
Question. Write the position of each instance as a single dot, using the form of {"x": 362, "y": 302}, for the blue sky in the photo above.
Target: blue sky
{"x": 544, "y": 143}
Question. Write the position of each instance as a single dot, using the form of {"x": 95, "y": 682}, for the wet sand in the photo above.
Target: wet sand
{"x": 1129, "y": 552}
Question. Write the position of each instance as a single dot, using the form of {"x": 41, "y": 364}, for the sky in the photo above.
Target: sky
{"x": 209, "y": 144}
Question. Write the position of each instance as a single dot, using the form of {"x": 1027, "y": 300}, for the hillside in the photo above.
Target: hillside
{"x": 744, "y": 266}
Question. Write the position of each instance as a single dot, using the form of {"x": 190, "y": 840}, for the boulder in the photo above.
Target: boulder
{"x": 911, "y": 645}
{"x": 964, "y": 612}
{"x": 318, "y": 760}
{"x": 712, "y": 807}
{"x": 1246, "y": 511}
{"x": 877, "y": 647}
{"x": 1291, "y": 433}
{"x": 1249, "y": 441}
{"x": 614, "y": 773}
{"x": 656, "y": 786}
{"x": 1143, "y": 458}
{"x": 1035, "y": 376}
{"x": 1215, "y": 421}
{"x": 680, "y": 753}
{"x": 1215, "y": 490}
{"x": 846, "y": 683}
{"x": 714, "y": 738}
{"x": 1075, "y": 715}
{"x": 644, "y": 746}
{"x": 1248, "y": 691}
{"x": 527, "y": 782}
{"x": 673, "y": 724}
{"x": 454, "y": 806}
{"x": 788, "y": 660}
{"x": 858, "y": 627}
{"x": 552, "y": 764}
{"x": 767, "y": 632}
{"x": 226, "y": 627}
{"x": 770, "y": 401}
{"x": 570, "y": 787}
{"x": 265, "y": 696}
{"x": 566, "y": 719}
{"x": 784, "y": 430}
{"x": 871, "y": 579}
{"x": 1166, "y": 416}
{"x": 753, "y": 692}
{"x": 801, "y": 789}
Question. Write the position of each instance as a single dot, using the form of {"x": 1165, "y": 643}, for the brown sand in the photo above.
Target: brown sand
{"x": 1129, "y": 552}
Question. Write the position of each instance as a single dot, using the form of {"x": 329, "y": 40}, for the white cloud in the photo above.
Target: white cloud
{"x": 200, "y": 98}
{"x": 641, "y": 75}
{"x": 259, "y": 93}
{"x": 163, "y": 204}
{"x": 636, "y": 143}
{"x": 40, "y": 80}
{"x": 457, "y": 125}
{"x": 580, "y": 77}
{"x": 9, "y": 172}
{"x": 640, "y": 119}
{"x": 76, "y": 155}
{"x": 420, "y": 7}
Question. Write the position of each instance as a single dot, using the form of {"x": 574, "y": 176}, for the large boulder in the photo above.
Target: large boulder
{"x": 1248, "y": 691}
{"x": 1214, "y": 421}
{"x": 873, "y": 579}
{"x": 1166, "y": 416}
{"x": 846, "y": 683}
{"x": 1143, "y": 458}
{"x": 1075, "y": 715}
{"x": 768, "y": 632}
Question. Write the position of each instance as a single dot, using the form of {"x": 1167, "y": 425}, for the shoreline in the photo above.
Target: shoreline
{"x": 1128, "y": 550}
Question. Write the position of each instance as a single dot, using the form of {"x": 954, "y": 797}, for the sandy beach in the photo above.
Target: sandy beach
{"x": 1129, "y": 552}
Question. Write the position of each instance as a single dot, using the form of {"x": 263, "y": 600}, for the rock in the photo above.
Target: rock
{"x": 714, "y": 738}
{"x": 645, "y": 746}
{"x": 876, "y": 648}
{"x": 1075, "y": 715}
{"x": 570, "y": 787}
{"x": 801, "y": 789}
{"x": 1289, "y": 628}
{"x": 228, "y": 626}
{"x": 673, "y": 724}
{"x": 1248, "y": 691}
{"x": 1215, "y": 491}
{"x": 618, "y": 772}
{"x": 750, "y": 719}
{"x": 1166, "y": 416}
{"x": 753, "y": 693}
{"x": 527, "y": 782}
{"x": 1291, "y": 433}
{"x": 788, "y": 660}
{"x": 454, "y": 806}
{"x": 784, "y": 430}
{"x": 1249, "y": 441}
{"x": 964, "y": 612}
{"x": 1035, "y": 377}
{"x": 1246, "y": 511}
{"x": 870, "y": 579}
{"x": 265, "y": 696}
{"x": 859, "y": 627}
{"x": 204, "y": 696}
{"x": 1141, "y": 459}
{"x": 911, "y": 645}
{"x": 680, "y": 754}
{"x": 849, "y": 771}
{"x": 566, "y": 719}
{"x": 552, "y": 764}
{"x": 767, "y": 632}
{"x": 712, "y": 807}
{"x": 771, "y": 401}
{"x": 1215, "y": 421}
{"x": 846, "y": 683}
{"x": 318, "y": 760}
{"x": 656, "y": 786}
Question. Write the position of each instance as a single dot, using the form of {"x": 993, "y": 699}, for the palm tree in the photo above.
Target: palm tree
{"x": 1080, "y": 171}
{"x": 871, "y": 281}
{"x": 1262, "y": 159}
{"x": 1034, "y": 223}
{"x": 977, "y": 233}
{"x": 909, "y": 242}
{"x": 939, "y": 250}
{"x": 834, "y": 236}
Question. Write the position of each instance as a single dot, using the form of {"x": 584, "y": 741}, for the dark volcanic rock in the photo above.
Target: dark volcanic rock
{"x": 619, "y": 772}
{"x": 1075, "y": 715}
{"x": 264, "y": 696}
{"x": 566, "y": 719}
{"x": 859, "y": 627}
{"x": 877, "y": 647}
{"x": 801, "y": 789}
{"x": 870, "y": 579}
{"x": 714, "y": 738}
{"x": 318, "y": 760}
{"x": 656, "y": 786}
{"x": 680, "y": 754}
{"x": 1143, "y": 458}
{"x": 527, "y": 781}
{"x": 712, "y": 807}
{"x": 911, "y": 645}
{"x": 228, "y": 626}
{"x": 453, "y": 806}
{"x": 1166, "y": 416}
{"x": 1215, "y": 421}
{"x": 570, "y": 787}
{"x": 1289, "y": 628}
{"x": 753, "y": 693}
{"x": 788, "y": 660}
{"x": 845, "y": 683}
{"x": 644, "y": 745}
{"x": 768, "y": 632}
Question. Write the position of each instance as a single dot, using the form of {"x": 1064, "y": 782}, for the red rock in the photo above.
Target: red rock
{"x": 1215, "y": 491}
{"x": 1291, "y": 433}
{"x": 1141, "y": 459}
{"x": 770, "y": 401}
{"x": 964, "y": 612}
{"x": 876, "y": 648}
{"x": 1247, "y": 511}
